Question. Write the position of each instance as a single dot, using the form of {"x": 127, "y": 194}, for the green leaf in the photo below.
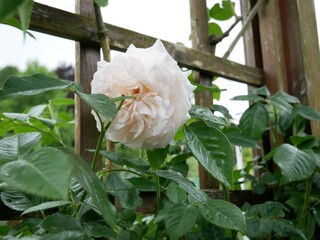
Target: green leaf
{"x": 249, "y": 97}
{"x": 122, "y": 160}
{"x": 45, "y": 206}
{"x": 60, "y": 222}
{"x": 223, "y": 214}
{"x": 14, "y": 22}
{"x": 31, "y": 85}
{"x": 143, "y": 184}
{"x": 123, "y": 190}
{"x": 205, "y": 114}
{"x": 213, "y": 150}
{"x": 175, "y": 193}
{"x": 157, "y": 157}
{"x": 18, "y": 200}
{"x": 214, "y": 30}
{"x": 101, "y": 3}
{"x": 262, "y": 91}
{"x": 285, "y": 228}
{"x": 8, "y": 7}
{"x": 25, "y": 13}
{"x": 45, "y": 172}
{"x": 236, "y": 138}
{"x": 259, "y": 228}
{"x": 101, "y": 104}
{"x": 62, "y": 101}
{"x": 254, "y": 121}
{"x": 65, "y": 235}
{"x": 308, "y": 140}
{"x": 307, "y": 112}
{"x": 98, "y": 229}
{"x": 184, "y": 183}
{"x": 222, "y": 13}
{"x": 17, "y": 146}
{"x": 6, "y": 73}
{"x": 91, "y": 183}
{"x": 294, "y": 164}
{"x": 180, "y": 219}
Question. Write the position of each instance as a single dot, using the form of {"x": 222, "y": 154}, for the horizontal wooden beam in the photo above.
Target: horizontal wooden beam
{"x": 64, "y": 24}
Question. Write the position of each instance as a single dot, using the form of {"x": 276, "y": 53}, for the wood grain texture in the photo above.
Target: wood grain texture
{"x": 86, "y": 134}
{"x": 82, "y": 29}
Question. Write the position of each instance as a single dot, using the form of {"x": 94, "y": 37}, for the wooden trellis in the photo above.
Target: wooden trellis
{"x": 281, "y": 48}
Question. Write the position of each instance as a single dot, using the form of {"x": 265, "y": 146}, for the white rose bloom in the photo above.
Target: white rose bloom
{"x": 161, "y": 96}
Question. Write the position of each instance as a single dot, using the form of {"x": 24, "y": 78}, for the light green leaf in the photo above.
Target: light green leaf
{"x": 223, "y": 214}
{"x": 93, "y": 186}
{"x": 8, "y": 7}
{"x": 175, "y": 193}
{"x": 215, "y": 30}
{"x": 294, "y": 164}
{"x": 124, "y": 191}
{"x": 17, "y": 146}
{"x": 25, "y": 13}
{"x": 307, "y": 112}
{"x": 101, "y": 104}
{"x": 222, "y": 13}
{"x": 45, "y": 206}
{"x": 62, "y": 101}
{"x": 102, "y": 3}
{"x": 180, "y": 219}
{"x": 205, "y": 114}
{"x": 45, "y": 172}
{"x": 213, "y": 150}
{"x": 184, "y": 183}
{"x": 157, "y": 157}
{"x": 254, "y": 121}
{"x": 31, "y": 85}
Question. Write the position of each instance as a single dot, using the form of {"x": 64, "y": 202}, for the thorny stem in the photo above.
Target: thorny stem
{"x": 246, "y": 24}
{"x": 56, "y": 129}
{"x": 215, "y": 40}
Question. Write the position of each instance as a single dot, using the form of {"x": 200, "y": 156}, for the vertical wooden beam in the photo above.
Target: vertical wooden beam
{"x": 200, "y": 41}
{"x": 272, "y": 47}
{"x": 86, "y": 134}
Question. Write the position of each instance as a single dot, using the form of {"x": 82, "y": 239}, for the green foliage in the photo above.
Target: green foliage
{"x": 224, "y": 12}
{"x": 39, "y": 175}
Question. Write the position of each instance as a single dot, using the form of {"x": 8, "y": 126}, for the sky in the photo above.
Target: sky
{"x": 164, "y": 19}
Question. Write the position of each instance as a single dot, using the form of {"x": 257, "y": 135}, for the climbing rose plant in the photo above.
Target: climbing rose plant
{"x": 160, "y": 96}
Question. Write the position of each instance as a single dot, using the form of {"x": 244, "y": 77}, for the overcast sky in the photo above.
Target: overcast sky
{"x": 163, "y": 19}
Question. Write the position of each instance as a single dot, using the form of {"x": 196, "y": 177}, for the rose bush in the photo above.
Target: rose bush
{"x": 161, "y": 96}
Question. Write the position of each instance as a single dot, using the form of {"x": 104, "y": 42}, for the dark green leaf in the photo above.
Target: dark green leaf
{"x": 214, "y": 30}
{"x": 236, "y": 138}
{"x": 184, "y": 183}
{"x": 223, "y": 214}
{"x": 64, "y": 235}
{"x": 101, "y": 104}
{"x": 17, "y": 146}
{"x": 129, "y": 235}
{"x": 213, "y": 150}
{"x": 8, "y": 7}
{"x": 45, "y": 172}
{"x": 143, "y": 184}
{"x": 31, "y": 85}
{"x": 18, "y": 200}
{"x": 285, "y": 228}
{"x": 14, "y": 22}
{"x": 101, "y": 3}
{"x": 222, "y": 13}
{"x": 294, "y": 163}
{"x": 299, "y": 140}
{"x": 258, "y": 228}
{"x": 91, "y": 183}
{"x": 122, "y": 160}
{"x": 283, "y": 101}
{"x": 98, "y": 229}
{"x": 307, "y": 112}
{"x": 6, "y": 73}
{"x": 157, "y": 157}
{"x": 126, "y": 218}
{"x": 250, "y": 97}
{"x": 254, "y": 121}
{"x": 46, "y": 205}
{"x": 180, "y": 219}
{"x": 123, "y": 190}
{"x": 175, "y": 193}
